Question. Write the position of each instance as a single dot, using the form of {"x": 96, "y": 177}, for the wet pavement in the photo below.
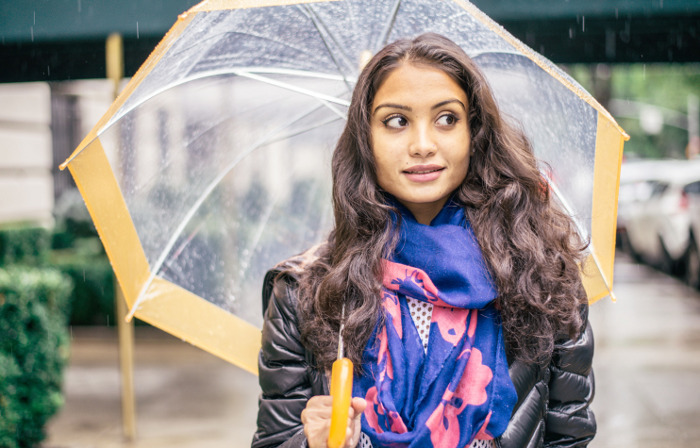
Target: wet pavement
{"x": 647, "y": 366}
{"x": 647, "y": 361}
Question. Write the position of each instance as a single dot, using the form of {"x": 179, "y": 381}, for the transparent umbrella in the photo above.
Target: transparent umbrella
{"x": 213, "y": 163}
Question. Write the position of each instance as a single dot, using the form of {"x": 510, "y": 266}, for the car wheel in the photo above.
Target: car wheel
{"x": 629, "y": 248}
{"x": 667, "y": 264}
{"x": 692, "y": 265}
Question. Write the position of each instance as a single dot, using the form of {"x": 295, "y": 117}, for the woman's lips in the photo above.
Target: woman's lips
{"x": 423, "y": 173}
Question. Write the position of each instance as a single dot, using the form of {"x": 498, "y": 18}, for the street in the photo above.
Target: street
{"x": 647, "y": 367}
{"x": 647, "y": 361}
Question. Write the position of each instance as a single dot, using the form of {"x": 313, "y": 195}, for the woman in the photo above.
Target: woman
{"x": 465, "y": 316}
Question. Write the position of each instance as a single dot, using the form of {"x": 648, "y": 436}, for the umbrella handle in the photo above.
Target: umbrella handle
{"x": 341, "y": 391}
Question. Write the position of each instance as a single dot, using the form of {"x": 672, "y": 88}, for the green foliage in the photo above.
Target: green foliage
{"x": 666, "y": 87}
{"x": 92, "y": 302}
{"x": 669, "y": 143}
{"x": 79, "y": 254}
{"x": 33, "y": 351}
{"x": 24, "y": 243}
{"x": 35, "y": 305}
{"x": 10, "y": 408}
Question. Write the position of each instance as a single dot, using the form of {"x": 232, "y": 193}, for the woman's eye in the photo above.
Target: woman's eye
{"x": 446, "y": 120}
{"x": 396, "y": 122}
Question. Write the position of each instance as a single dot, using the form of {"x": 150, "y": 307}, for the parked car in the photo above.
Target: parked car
{"x": 692, "y": 254}
{"x": 634, "y": 189}
{"x": 657, "y": 222}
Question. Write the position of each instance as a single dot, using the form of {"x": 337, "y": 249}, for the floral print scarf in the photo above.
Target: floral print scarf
{"x": 460, "y": 389}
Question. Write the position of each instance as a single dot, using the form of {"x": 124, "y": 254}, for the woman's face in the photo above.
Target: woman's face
{"x": 420, "y": 138}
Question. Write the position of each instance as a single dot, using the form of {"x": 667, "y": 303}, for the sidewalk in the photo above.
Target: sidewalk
{"x": 647, "y": 361}
{"x": 185, "y": 397}
{"x": 647, "y": 366}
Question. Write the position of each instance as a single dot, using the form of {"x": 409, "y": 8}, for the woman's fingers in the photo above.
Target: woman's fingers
{"x": 316, "y": 418}
{"x": 357, "y": 407}
{"x": 318, "y": 406}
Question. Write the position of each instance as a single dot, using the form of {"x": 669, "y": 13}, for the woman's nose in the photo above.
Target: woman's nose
{"x": 423, "y": 143}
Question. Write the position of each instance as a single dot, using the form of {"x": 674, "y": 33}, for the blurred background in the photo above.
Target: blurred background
{"x": 60, "y": 380}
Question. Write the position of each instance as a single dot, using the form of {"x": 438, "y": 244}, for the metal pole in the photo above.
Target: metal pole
{"x": 126, "y": 364}
{"x": 115, "y": 72}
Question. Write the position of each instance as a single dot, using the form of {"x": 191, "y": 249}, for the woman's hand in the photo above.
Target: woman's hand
{"x": 316, "y": 418}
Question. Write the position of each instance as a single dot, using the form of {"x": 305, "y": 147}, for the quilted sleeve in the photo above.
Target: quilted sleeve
{"x": 570, "y": 421}
{"x": 285, "y": 375}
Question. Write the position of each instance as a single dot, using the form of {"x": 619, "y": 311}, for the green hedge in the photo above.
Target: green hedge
{"x": 78, "y": 253}
{"x": 92, "y": 301}
{"x": 24, "y": 244}
{"x": 33, "y": 351}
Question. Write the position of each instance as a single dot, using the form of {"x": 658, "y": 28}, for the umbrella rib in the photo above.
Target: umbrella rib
{"x": 268, "y": 213}
{"x": 191, "y": 212}
{"x": 284, "y": 85}
{"x": 215, "y": 38}
{"x": 384, "y": 36}
{"x": 301, "y": 131}
{"x": 581, "y": 231}
{"x": 321, "y": 27}
{"x": 238, "y": 72}
{"x": 330, "y": 106}
{"x": 258, "y": 234}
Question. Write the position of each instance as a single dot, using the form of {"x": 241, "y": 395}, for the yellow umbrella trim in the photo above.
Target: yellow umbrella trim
{"x": 202, "y": 323}
{"x": 175, "y": 309}
{"x": 218, "y": 5}
{"x": 606, "y": 182}
{"x": 98, "y": 186}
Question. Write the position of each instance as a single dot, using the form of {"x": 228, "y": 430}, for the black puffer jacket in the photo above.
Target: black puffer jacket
{"x": 552, "y": 408}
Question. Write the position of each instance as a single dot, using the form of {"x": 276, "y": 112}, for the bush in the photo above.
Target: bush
{"x": 33, "y": 351}
{"x": 10, "y": 408}
{"x": 92, "y": 302}
{"x": 79, "y": 254}
{"x": 24, "y": 244}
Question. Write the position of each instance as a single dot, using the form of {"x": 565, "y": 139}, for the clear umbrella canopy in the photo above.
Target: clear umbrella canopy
{"x": 213, "y": 165}
{"x": 223, "y": 193}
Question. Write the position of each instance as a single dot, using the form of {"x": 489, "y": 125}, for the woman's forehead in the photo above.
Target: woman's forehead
{"x": 414, "y": 83}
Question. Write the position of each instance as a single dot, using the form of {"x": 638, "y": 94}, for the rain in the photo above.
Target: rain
{"x": 230, "y": 176}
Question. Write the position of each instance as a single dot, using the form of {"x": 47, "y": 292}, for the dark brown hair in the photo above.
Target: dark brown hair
{"x": 530, "y": 247}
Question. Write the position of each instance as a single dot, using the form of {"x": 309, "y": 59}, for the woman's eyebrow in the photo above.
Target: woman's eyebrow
{"x": 409, "y": 109}
{"x": 454, "y": 100}
{"x": 393, "y": 106}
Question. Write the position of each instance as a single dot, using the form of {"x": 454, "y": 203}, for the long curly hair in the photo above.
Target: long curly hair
{"x": 530, "y": 247}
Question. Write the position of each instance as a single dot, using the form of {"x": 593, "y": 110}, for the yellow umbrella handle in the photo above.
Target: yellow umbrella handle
{"x": 341, "y": 391}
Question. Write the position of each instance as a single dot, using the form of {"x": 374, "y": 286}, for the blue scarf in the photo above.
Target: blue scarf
{"x": 460, "y": 389}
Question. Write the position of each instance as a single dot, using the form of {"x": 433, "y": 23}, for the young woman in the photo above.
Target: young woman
{"x": 465, "y": 316}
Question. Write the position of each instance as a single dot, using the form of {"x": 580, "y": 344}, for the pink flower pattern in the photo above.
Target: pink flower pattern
{"x": 464, "y": 392}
